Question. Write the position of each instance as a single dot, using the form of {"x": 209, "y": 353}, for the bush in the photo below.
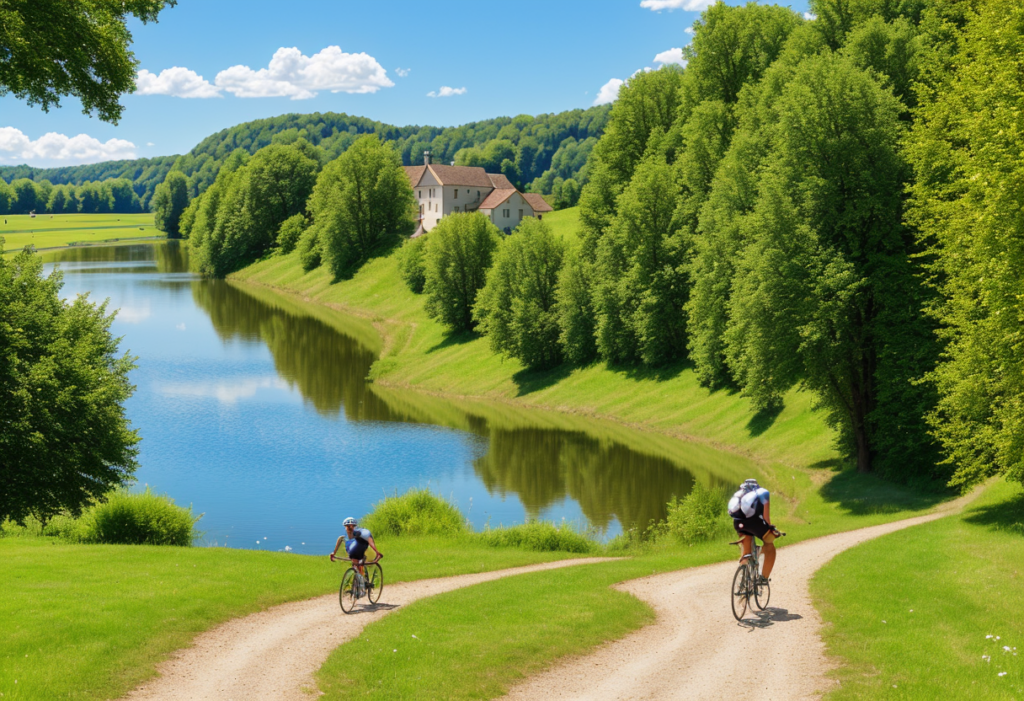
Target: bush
{"x": 309, "y": 249}
{"x": 417, "y": 512}
{"x": 540, "y": 536}
{"x": 700, "y": 515}
{"x": 290, "y": 231}
{"x": 137, "y": 519}
{"x": 411, "y": 265}
{"x": 457, "y": 261}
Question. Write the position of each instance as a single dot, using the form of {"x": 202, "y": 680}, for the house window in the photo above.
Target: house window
{"x": 420, "y": 194}
{"x": 456, "y": 209}
{"x": 520, "y": 214}
{"x": 456, "y": 195}
{"x": 504, "y": 213}
{"x": 478, "y": 194}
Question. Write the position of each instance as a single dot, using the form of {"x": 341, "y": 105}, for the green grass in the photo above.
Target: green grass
{"x": 477, "y": 642}
{"x": 92, "y": 621}
{"x": 417, "y": 352}
{"x": 564, "y": 223}
{"x": 55, "y": 230}
{"x": 908, "y": 615}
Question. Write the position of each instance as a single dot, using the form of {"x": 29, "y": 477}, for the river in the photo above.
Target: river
{"x": 254, "y": 409}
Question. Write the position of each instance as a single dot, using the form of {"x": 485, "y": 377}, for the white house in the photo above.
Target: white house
{"x": 441, "y": 190}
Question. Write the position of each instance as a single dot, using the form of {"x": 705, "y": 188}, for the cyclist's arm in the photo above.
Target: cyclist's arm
{"x": 337, "y": 546}
{"x": 373, "y": 546}
{"x": 768, "y": 513}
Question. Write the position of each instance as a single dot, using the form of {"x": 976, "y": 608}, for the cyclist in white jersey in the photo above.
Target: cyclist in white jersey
{"x": 750, "y": 508}
{"x": 356, "y": 540}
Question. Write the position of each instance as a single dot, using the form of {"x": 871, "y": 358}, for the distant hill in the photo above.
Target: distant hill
{"x": 534, "y": 152}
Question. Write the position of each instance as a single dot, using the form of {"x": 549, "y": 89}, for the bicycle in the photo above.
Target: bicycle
{"x": 746, "y": 583}
{"x": 355, "y": 586}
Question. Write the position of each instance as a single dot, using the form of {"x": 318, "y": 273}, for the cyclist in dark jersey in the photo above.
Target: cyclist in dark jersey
{"x": 750, "y": 508}
{"x": 356, "y": 541}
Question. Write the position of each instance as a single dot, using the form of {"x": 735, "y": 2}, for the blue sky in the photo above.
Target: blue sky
{"x": 494, "y": 59}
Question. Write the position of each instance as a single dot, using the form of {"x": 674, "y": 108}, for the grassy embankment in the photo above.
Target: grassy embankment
{"x": 58, "y": 230}
{"x": 92, "y": 621}
{"x": 928, "y": 612}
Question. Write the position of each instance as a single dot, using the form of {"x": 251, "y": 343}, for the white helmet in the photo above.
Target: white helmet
{"x": 349, "y": 522}
{"x": 750, "y": 484}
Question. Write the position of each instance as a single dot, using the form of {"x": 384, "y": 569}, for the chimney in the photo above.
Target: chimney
{"x": 426, "y": 158}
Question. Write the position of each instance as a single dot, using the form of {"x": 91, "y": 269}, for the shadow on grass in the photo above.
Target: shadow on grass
{"x": 1002, "y": 516}
{"x": 455, "y": 339}
{"x": 528, "y": 381}
{"x": 382, "y": 250}
{"x": 763, "y": 420}
{"x": 864, "y": 494}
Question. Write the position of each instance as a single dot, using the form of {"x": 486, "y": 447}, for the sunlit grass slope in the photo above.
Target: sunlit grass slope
{"x": 928, "y": 613}
{"x": 92, "y": 621}
{"x": 53, "y": 230}
{"x": 418, "y": 352}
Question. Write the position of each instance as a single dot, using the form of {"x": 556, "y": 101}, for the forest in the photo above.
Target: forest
{"x": 113, "y": 196}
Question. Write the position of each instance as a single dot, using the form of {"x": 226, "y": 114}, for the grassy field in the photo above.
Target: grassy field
{"x": 54, "y": 230}
{"x": 476, "y": 642}
{"x": 564, "y": 222}
{"x": 929, "y": 612}
{"x": 417, "y": 352}
{"x": 92, "y": 621}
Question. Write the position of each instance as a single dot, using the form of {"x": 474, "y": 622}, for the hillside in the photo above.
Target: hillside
{"x": 533, "y": 152}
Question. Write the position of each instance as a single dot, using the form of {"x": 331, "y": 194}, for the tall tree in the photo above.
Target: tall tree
{"x": 169, "y": 201}
{"x": 50, "y": 49}
{"x": 362, "y": 201}
{"x": 516, "y": 309}
{"x": 459, "y": 254}
{"x": 65, "y": 437}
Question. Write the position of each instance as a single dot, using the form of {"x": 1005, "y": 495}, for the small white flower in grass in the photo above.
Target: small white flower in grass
{"x": 1002, "y": 674}
{"x": 987, "y": 658}
{"x": 1006, "y": 647}
{"x": 394, "y": 651}
{"x": 997, "y": 637}
{"x": 988, "y": 637}
{"x": 883, "y": 621}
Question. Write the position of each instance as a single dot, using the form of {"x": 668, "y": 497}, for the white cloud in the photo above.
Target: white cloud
{"x": 224, "y": 392}
{"x": 181, "y": 326}
{"x": 402, "y": 72}
{"x": 16, "y": 147}
{"x": 134, "y": 315}
{"x": 150, "y": 143}
{"x": 688, "y": 30}
{"x": 687, "y": 5}
{"x": 445, "y": 91}
{"x": 671, "y": 56}
{"x": 176, "y": 82}
{"x": 292, "y": 74}
{"x": 608, "y": 92}
{"x": 809, "y": 17}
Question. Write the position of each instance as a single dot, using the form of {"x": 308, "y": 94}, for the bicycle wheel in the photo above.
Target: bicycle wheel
{"x": 762, "y": 593}
{"x": 740, "y": 592}
{"x": 375, "y": 582}
{"x": 347, "y": 593}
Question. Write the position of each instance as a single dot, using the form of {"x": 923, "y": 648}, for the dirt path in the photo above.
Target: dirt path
{"x": 273, "y": 654}
{"x": 696, "y": 649}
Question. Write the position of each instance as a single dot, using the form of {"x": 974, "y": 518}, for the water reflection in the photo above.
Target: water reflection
{"x": 226, "y": 368}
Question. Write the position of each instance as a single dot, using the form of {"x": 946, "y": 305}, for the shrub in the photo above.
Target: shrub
{"x": 417, "y": 512}
{"x": 290, "y": 231}
{"x": 411, "y": 264}
{"x": 309, "y": 249}
{"x": 539, "y": 536}
{"x": 457, "y": 261}
{"x": 138, "y": 519}
{"x": 700, "y": 515}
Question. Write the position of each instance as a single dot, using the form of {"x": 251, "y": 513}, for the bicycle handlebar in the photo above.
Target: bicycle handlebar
{"x": 335, "y": 558}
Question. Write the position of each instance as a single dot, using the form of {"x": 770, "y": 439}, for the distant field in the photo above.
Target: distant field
{"x": 564, "y": 223}
{"x": 55, "y": 230}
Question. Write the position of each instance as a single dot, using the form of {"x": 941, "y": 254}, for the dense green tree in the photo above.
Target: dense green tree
{"x": 458, "y": 256}
{"x": 290, "y": 231}
{"x": 516, "y": 308}
{"x": 310, "y": 249}
{"x": 576, "y": 308}
{"x": 412, "y": 265}
{"x": 169, "y": 202}
{"x": 65, "y": 438}
{"x": 50, "y": 49}
{"x": 968, "y": 205}
{"x": 6, "y": 198}
{"x": 361, "y": 203}
{"x": 25, "y": 197}
{"x": 642, "y": 286}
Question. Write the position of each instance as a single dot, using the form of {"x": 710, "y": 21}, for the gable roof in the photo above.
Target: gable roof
{"x": 471, "y": 176}
{"x": 414, "y": 173}
{"x": 500, "y": 182}
{"x": 496, "y": 197}
{"x": 538, "y": 203}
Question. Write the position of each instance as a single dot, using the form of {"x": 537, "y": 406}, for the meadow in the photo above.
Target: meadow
{"x": 57, "y": 230}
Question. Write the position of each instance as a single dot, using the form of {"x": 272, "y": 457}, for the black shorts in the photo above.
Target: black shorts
{"x": 358, "y": 550}
{"x": 747, "y": 526}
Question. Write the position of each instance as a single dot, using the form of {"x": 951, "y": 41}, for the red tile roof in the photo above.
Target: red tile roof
{"x": 496, "y": 197}
{"x": 500, "y": 182}
{"x": 414, "y": 173}
{"x": 471, "y": 176}
{"x": 537, "y": 202}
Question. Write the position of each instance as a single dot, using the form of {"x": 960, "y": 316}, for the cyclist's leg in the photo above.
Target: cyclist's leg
{"x": 769, "y": 554}
{"x": 746, "y": 543}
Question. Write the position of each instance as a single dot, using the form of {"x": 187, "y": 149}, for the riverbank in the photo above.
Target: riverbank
{"x": 416, "y": 352}
{"x": 48, "y": 232}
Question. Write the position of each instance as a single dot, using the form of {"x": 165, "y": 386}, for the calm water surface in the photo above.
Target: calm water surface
{"x": 254, "y": 410}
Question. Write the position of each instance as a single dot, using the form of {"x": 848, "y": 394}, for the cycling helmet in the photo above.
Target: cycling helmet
{"x": 749, "y": 485}
{"x": 349, "y": 522}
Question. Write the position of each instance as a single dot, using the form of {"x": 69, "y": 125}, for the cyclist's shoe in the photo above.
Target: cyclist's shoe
{"x": 761, "y": 579}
